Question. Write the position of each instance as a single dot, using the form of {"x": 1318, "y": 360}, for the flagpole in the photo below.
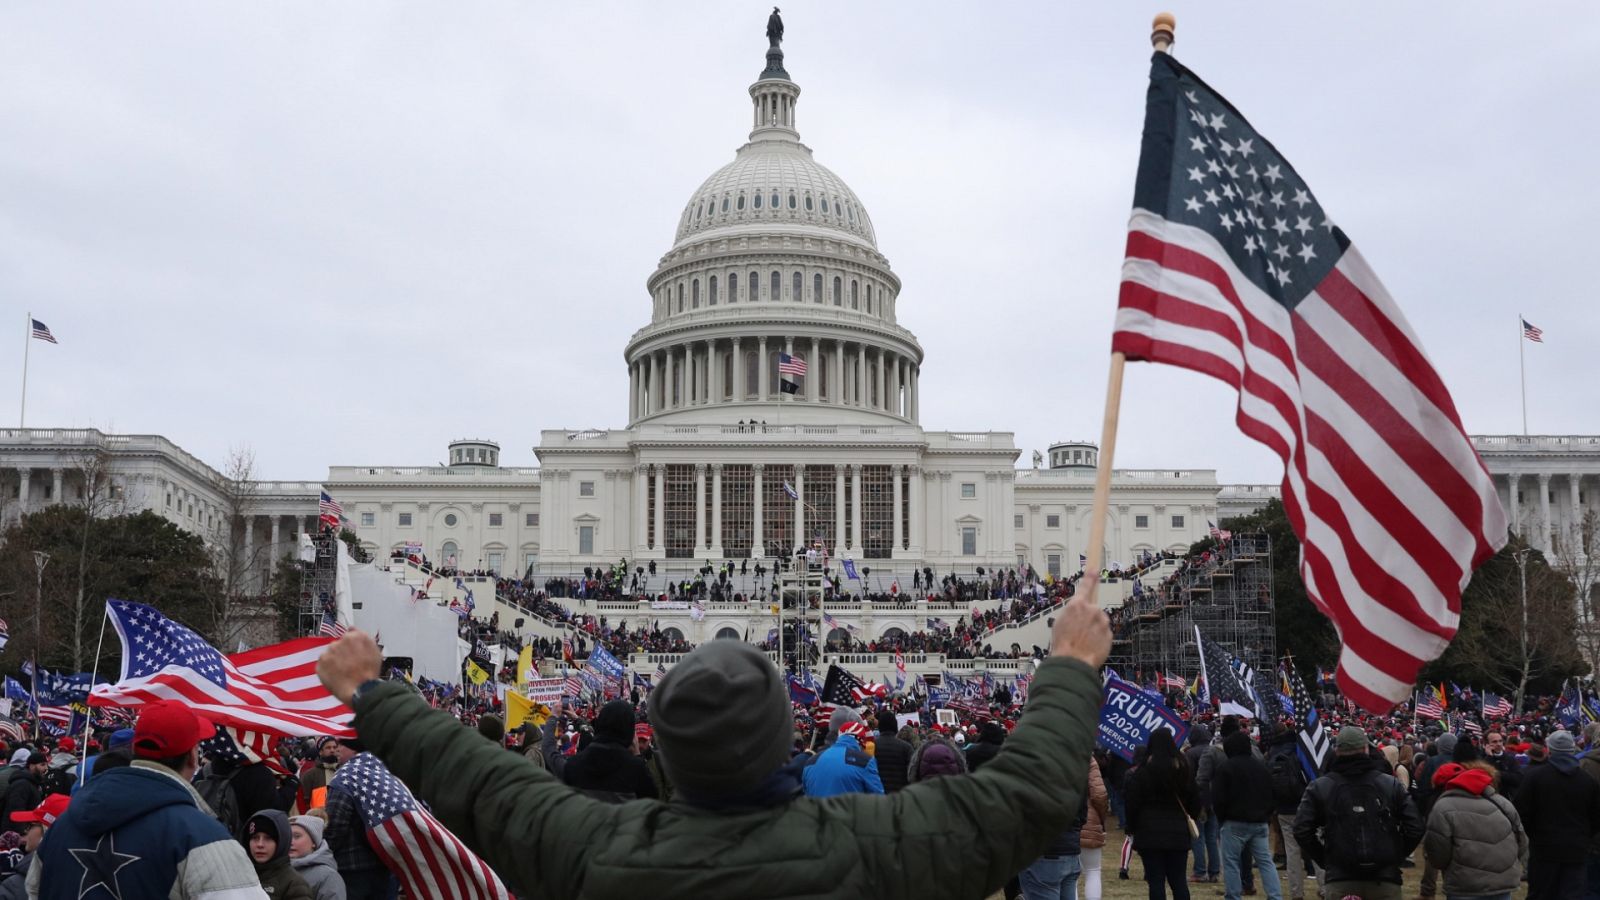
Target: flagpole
{"x": 1522, "y": 366}
{"x": 88, "y": 719}
{"x": 27, "y": 344}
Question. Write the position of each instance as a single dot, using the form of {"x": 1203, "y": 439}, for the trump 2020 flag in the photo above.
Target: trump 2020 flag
{"x": 428, "y": 860}
{"x": 1234, "y": 270}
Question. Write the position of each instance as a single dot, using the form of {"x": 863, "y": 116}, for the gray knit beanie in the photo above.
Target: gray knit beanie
{"x": 722, "y": 719}
{"x": 842, "y": 716}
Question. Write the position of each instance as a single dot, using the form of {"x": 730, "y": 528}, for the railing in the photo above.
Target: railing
{"x": 346, "y": 473}
{"x": 1553, "y": 442}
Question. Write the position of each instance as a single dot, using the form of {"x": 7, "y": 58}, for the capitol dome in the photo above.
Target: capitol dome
{"x": 774, "y": 296}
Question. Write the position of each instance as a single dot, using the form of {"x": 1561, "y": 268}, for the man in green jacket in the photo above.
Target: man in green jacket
{"x": 738, "y": 826}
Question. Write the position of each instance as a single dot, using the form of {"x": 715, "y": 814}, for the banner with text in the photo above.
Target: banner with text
{"x": 1129, "y": 715}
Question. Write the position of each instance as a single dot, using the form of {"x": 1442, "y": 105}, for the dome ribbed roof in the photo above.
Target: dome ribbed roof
{"x": 805, "y": 192}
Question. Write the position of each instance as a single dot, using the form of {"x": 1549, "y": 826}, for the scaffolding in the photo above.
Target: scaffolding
{"x": 316, "y": 581}
{"x": 1228, "y": 597}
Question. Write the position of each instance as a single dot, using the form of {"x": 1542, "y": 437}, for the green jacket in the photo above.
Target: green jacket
{"x": 945, "y": 837}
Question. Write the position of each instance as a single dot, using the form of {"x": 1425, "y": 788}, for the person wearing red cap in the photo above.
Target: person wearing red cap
{"x": 141, "y": 830}
{"x": 35, "y": 823}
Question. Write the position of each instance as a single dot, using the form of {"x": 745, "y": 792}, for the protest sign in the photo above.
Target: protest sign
{"x": 1129, "y": 715}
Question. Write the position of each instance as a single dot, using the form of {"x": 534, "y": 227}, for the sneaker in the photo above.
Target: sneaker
{"x": 1122, "y": 874}
{"x": 1197, "y": 878}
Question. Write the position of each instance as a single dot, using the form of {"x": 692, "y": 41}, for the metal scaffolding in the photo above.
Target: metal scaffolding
{"x": 316, "y": 581}
{"x": 1228, "y": 597}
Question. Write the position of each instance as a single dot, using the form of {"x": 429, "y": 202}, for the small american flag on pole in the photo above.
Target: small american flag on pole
{"x": 1529, "y": 330}
{"x": 329, "y": 510}
{"x": 428, "y": 860}
{"x": 42, "y": 332}
{"x": 331, "y": 627}
{"x": 790, "y": 365}
{"x": 1234, "y": 270}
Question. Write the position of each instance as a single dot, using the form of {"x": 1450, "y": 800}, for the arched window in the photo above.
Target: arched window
{"x": 850, "y": 208}
{"x": 816, "y": 289}
{"x": 855, "y": 294}
{"x": 755, "y": 288}
{"x": 838, "y": 291}
{"x": 894, "y": 633}
{"x": 739, "y": 204}
{"x": 694, "y": 294}
{"x": 808, "y": 203}
{"x": 751, "y": 368}
{"x": 758, "y": 200}
{"x": 672, "y": 634}
{"x": 733, "y": 288}
{"x": 680, "y": 296}
{"x": 711, "y": 291}
{"x": 869, "y": 298}
{"x": 777, "y": 288}
{"x": 774, "y": 199}
{"x": 698, "y": 210}
{"x": 724, "y": 202}
{"x": 799, "y": 282}
{"x": 791, "y": 200}
{"x": 727, "y": 634}
{"x": 824, "y": 205}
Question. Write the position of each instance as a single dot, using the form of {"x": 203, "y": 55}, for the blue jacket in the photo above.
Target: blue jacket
{"x": 141, "y": 831}
{"x": 843, "y": 768}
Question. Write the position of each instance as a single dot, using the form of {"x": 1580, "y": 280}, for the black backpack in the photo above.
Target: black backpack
{"x": 1362, "y": 832}
{"x": 1287, "y": 781}
{"x": 58, "y": 781}
{"x": 219, "y": 793}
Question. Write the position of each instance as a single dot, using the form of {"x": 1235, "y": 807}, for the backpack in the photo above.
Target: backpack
{"x": 219, "y": 794}
{"x": 1287, "y": 782}
{"x": 1362, "y": 833}
{"x": 57, "y": 781}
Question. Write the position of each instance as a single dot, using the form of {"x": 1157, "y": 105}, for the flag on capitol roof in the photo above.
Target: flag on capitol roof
{"x": 1235, "y": 270}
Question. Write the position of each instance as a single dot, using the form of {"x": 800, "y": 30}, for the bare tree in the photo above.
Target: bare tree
{"x": 239, "y": 559}
{"x": 100, "y": 497}
{"x": 1576, "y": 552}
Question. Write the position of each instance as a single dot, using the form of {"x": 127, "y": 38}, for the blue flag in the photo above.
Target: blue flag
{"x": 850, "y": 570}
{"x": 1129, "y": 716}
{"x": 601, "y": 660}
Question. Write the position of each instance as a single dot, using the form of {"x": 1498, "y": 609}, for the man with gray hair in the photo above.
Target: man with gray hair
{"x": 847, "y": 766}
{"x": 1560, "y": 808}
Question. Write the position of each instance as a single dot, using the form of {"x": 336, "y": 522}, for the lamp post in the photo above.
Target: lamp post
{"x": 40, "y": 560}
{"x": 1522, "y": 573}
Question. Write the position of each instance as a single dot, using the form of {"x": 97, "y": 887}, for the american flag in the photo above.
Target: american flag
{"x": 1314, "y": 741}
{"x": 329, "y": 510}
{"x": 1218, "y": 534}
{"x": 330, "y": 626}
{"x": 428, "y": 860}
{"x": 242, "y": 747}
{"x": 1234, "y": 270}
{"x": 661, "y": 671}
{"x": 42, "y": 332}
{"x": 1495, "y": 705}
{"x": 1174, "y": 682}
{"x": 1529, "y": 330}
{"x": 55, "y": 719}
{"x": 790, "y": 365}
{"x": 1427, "y": 704}
{"x": 1467, "y": 725}
{"x": 789, "y": 489}
{"x": 572, "y": 687}
{"x": 10, "y": 731}
{"x": 272, "y": 689}
{"x": 839, "y": 689}
{"x": 5, "y": 634}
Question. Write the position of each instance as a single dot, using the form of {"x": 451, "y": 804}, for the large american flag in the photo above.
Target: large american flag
{"x": 1234, "y": 270}
{"x": 271, "y": 689}
{"x": 429, "y": 860}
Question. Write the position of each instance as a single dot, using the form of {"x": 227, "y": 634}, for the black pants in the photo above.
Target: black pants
{"x": 369, "y": 884}
{"x": 1165, "y": 869}
{"x": 1556, "y": 881}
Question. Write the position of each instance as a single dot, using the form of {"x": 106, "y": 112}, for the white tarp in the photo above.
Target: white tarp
{"x": 420, "y": 629}
{"x": 343, "y": 607}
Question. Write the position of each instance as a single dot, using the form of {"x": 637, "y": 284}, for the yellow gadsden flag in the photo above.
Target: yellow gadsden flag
{"x": 520, "y": 709}
{"x": 525, "y": 670}
{"x": 475, "y": 673}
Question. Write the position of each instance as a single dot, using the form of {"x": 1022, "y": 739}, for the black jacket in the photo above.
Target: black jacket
{"x": 1314, "y": 814}
{"x": 254, "y": 785}
{"x": 1510, "y": 774}
{"x": 989, "y": 743}
{"x": 894, "y": 760}
{"x": 22, "y": 795}
{"x": 1241, "y": 789}
{"x": 610, "y": 771}
{"x": 1155, "y": 816}
{"x": 1560, "y": 807}
{"x": 1286, "y": 744}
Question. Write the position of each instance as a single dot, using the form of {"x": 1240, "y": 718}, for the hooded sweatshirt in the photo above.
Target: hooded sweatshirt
{"x": 317, "y": 867}
{"x": 1560, "y": 808}
{"x": 278, "y": 878}
{"x": 1474, "y": 836}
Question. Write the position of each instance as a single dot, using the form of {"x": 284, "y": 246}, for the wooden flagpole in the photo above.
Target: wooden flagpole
{"x": 1161, "y": 36}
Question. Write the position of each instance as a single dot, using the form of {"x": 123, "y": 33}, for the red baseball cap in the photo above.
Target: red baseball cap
{"x": 168, "y": 729}
{"x": 45, "y": 813}
{"x": 68, "y": 745}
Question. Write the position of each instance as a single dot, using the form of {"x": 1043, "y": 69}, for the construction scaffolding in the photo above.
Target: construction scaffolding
{"x": 316, "y": 581}
{"x": 1228, "y": 597}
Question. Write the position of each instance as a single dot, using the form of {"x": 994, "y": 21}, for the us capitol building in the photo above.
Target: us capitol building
{"x": 728, "y": 453}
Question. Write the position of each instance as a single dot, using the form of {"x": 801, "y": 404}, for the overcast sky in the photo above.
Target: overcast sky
{"x": 347, "y": 233}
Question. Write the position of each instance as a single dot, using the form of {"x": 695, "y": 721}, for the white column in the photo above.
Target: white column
{"x": 838, "y": 373}
{"x": 918, "y": 512}
{"x": 763, "y": 383}
{"x": 273, "y": 552}
{"x": 738, "y": 373}
{"x": 55, "y": 487}
{"x": 24, "y": 479}
{"x": 814, "y": 370}
{"x": 716, "y": 509}
{"x": 861, "y": 375}
{"x": 916, "y": 393}
{"x": 788, "y": 349}
{"x": 646, "y": 402}
{"x": 896, "y": 385}
{"x": 1513, "y": 503}
{"x": 799, "y": 509}
{"x": 699, "y": 509}
{"x": 714, "y": 377}
{"x": 755, "y": 513}
{"x": 691, "y": 366}
{"x": 838, "y": 509}
{"x": 670, "y": 400}
{"x": 883, "y": 381}
{"x": 633, "y": 391}
{"x": 1544, "y": 511}
{"x": 897, "y": 544}
{"x": 641, "y": 508}
{"x": 660, "y": 471}
{"x": 855, "y": 507}
{"x": 1576, "y": 514}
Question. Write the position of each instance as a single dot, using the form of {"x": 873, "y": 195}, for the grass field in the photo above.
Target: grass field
{"x": 1135, "y": 888}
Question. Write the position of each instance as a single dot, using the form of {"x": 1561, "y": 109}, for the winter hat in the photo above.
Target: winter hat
{"x": 493, "y": 728}
{"x": 1465, "y": 751}
{"x": 857, "y": 730}
{"x": 1446, "y": 744}
{"x": 887, "y": 723}
{"x": 271, "y": 822}
{"x": 313, "y": 827}
{"x": 1537, "y": 753}
{"x": 1352, "y": 740}
{"x": 934, "y": 759}
{"x": 841, "y": 717}
{"x": 1446, "y": 772}
{"x": 614, "y": 724}
{"x": 1561, "y": 742}
{"x": 122, "y": 737}
{"x": 20, "y": 757}
{"x": 721, "y": 718}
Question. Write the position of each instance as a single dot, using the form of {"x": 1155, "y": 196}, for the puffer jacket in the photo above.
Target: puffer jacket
{"x": 1474, "y": 835}
{"x": 894, "y": 757}
{"x": 1093, "y": 835}
{"x": 941, "y": 837}
{"x": 929, "y": 763}
{"x": 320, "y": 873}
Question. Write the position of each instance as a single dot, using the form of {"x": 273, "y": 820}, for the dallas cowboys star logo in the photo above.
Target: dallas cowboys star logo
{"x": 101, "y": 865}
